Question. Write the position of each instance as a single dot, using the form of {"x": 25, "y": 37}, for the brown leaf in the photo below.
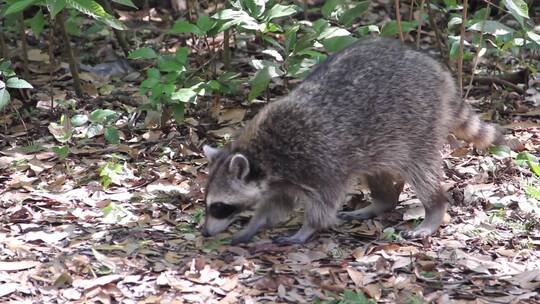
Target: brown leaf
{"x": 18, "y": 265}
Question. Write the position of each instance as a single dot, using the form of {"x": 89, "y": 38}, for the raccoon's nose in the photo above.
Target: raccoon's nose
{"x": 205, "y": 232}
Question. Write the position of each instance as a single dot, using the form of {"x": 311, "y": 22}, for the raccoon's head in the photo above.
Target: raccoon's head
{"x": 234, "y": 185}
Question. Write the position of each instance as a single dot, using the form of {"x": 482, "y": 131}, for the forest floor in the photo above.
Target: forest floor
{"x": 65, "y": 237}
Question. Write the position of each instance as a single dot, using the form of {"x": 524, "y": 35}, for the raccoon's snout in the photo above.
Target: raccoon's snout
{"x": 205, "y": 232}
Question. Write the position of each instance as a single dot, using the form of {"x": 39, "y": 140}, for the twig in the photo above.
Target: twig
{"x": 305, "y": 7}
{"x": 70, "y": 56}
{"x": 461, "y": 46}
{"x": 475, "y": 63}
{"x": 3, "y": 48}
{"x": 52, "y": 62}
{"x": 419, "y": 29}
{"x": 24, "y": 45}
{"x": 398, "y": 21}
{"x": 438, "y": 35}
{"x": 491, "y": 80}
{"x": 411, "y": 11}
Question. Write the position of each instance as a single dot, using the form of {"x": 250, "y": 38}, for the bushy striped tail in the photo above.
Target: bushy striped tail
{"x": 470, "y": 128}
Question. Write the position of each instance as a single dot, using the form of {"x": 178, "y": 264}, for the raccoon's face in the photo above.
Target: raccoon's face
{"x": 231, "y": 189}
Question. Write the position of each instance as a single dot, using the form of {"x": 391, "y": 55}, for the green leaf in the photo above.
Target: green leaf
{"x": 336, "y": 44}
{"x": 178, "y": 112}
{"x": 62, "y": 152}
{"x": 103, "y": 116}
{"x": 4, "y": 97}
{"x": 79, "y": 120}
{"x": 169, "y": 64}
{"x": 153, "y": 73}
{"x": 279, "y": 10}
{"x": 19, "y": 6}
{"x": 390, "y": 28}
{"x": 255, "y": 8}
{"x": 126, "y": 3}
{"x": 37, "y": 23}
{"x": 94, "y": 130}
{"x": 518, "y": 9}
{"x": 112, "y": 135}
{"x": 55, "y": 6}
{"x": 329, "y": 6}
{"x": 182, "y": 54}
{"x": 494, "y": 28}
{"x": 502, "y": 151}
{"x": 205, "y": 23}
{"x": 184, "y": 95}
{"x": 96, "y": 11}
{"x": 530, "y": 160}
{"x": 143, "y": 53}
{"x": 183, "y": 26}
{"x": 17, "y": 83}
{"x": 259, "y": 82}
{"x": 534, "y": 37}
{"x": 350, "y": 15}
{"x": 240, "y": 18}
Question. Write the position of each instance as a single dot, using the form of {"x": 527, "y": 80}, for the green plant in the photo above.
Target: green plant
{"x": 9, "y": 80}
{"x": 349, "y": 297}
{"x": 110, "y": 173}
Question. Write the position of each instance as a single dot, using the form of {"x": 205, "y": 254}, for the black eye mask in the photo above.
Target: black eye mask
{"x": 222, "y": 210}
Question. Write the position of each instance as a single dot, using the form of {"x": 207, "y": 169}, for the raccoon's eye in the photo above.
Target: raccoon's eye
{"x": 222, "y": 210}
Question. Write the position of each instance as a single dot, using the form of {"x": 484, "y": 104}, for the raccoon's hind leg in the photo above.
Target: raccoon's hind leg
{"x": 426, "y": 184}
{"x": 385, "y": 189}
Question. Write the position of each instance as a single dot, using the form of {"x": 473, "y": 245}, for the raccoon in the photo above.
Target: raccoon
{"x": 377, "y": 109}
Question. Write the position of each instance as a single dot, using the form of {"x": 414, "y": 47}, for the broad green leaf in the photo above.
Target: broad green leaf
{"x": 502, "y": 151}
{"x": 182, "y": 54}
{"x": 19, "y": 6}
{"x": 518, "y": 9}
{"x": 143, "y": 53}
{"x": 55, "y": 6}
{"x": 255, "y": 8}
{"x": 390, "y": 28}
{"x": 336, "y": 44}
{"x": 178, "y": 112}
{"x": 183, "y": 26}
{"x": 37, "y": 23}
{"x": 205, "y": 23}
{"x": 112, "y": 135}
{"x": 279, "y": 10}
{"x": 184, "y": 95}
{"x": 236, "y": 18}
{"x": 153, "y": 73}
{"x": 350, "y": 15}
{"x": 169, "y": 64}
{"x": 4, "y": 97}
{"x": 17, "y": 83}
{"x": 259, "y": 83}
{"x": 329, "y": 6}
{"x": 534, "y": 37}
{"x": 61, "y": 152}
{"x": 494, "y": 28}
{"x": 79, "y": 120}
{"x": 332, "y": 32}
{"x": 126, "y": 3}
{"x": 96, "y": 11}
{"x": 102, "y": 116}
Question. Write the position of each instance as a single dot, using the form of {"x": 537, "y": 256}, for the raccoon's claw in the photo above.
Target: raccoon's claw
{"x": 418, "y": 233}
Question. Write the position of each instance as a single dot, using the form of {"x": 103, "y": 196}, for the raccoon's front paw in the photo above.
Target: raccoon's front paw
{"x": 241, "y": 238}
{"x": 288, "y": 240}
{"x": 418, "y": 233}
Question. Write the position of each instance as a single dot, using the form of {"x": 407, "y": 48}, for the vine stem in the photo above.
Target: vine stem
{"x": 461, "y": 46}
{"x": 69, "y": 54}
{"x": 398, "y": 21}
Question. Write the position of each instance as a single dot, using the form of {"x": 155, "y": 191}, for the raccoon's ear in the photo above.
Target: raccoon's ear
{"x": 239, "y": 166}
{"x": 210, "y": 153}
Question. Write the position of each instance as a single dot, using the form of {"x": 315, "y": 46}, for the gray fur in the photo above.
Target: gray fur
{"x": 377, "y": 109}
